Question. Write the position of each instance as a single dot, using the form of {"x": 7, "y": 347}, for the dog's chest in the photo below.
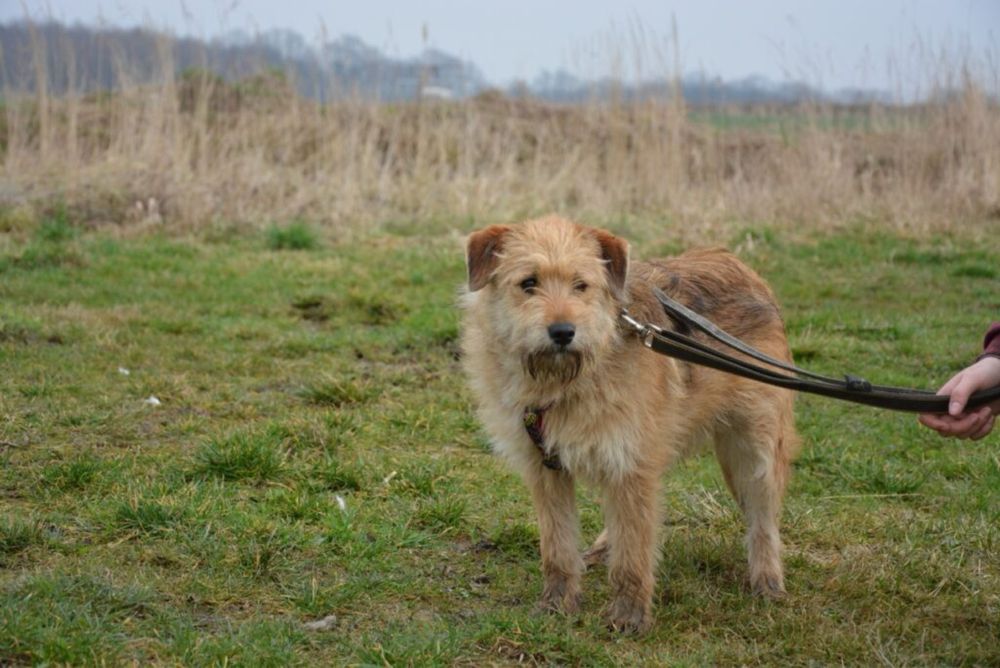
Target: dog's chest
{"x": 596, "y": 443}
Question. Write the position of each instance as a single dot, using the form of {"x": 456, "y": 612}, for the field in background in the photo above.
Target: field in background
{"x": 314, "y": 458}
{"x": 192, "y": 151}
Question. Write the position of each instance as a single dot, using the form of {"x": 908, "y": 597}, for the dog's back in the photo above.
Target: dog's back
{"x": 715, "y": 284}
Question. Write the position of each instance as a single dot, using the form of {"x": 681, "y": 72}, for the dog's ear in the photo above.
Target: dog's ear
{"x": 481, "y": 254}
{"x": 614, "y": 252}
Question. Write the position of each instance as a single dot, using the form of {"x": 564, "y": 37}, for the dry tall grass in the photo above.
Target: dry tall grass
{"x": 204, "y": 151}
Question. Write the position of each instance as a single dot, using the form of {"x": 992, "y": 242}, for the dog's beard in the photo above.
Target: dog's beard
{"x": 561, "y": 366}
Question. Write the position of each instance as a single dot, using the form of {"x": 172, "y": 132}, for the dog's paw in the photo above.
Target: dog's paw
{"x": 768, "y": 586}
{"x": 560, "y": 597}
{"x": 627, "y": 615}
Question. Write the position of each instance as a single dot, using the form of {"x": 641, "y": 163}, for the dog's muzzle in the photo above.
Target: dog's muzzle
{"x": 554, "y": 363}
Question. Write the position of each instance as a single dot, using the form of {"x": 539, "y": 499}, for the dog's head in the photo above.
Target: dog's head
{"x": 553, "y": 290}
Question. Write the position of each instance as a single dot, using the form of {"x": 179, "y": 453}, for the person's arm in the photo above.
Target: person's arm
{"x": 983, "y": 374}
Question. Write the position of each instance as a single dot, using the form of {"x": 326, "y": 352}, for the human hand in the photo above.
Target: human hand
{"x": 975, "y": 424}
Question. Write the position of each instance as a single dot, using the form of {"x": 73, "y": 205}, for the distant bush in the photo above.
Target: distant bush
{"x": 296, "y": 236}
{"x": 55, "y": 228}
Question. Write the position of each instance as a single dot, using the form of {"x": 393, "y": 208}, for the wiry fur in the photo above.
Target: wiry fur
{"x": 619, "y": 414}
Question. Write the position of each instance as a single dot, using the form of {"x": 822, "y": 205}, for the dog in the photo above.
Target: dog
{"x": 566, "y": 392}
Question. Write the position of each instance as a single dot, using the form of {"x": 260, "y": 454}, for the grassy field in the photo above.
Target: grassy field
{"x": 313, "y": 457}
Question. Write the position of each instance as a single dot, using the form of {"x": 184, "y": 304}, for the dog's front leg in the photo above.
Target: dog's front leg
{"x": 562, "y": 567}
{"x": 632, "y": 518}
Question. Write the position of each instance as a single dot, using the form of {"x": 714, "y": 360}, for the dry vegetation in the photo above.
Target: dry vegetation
{"x": 210, "y": 152}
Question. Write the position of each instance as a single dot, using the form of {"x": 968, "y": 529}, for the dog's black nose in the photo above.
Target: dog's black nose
{"x": 562, "y": 333}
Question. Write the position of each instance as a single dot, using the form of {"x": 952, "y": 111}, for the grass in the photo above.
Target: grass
{"x": 75, "y": 474}
{"x": 337, "y": 392}
{"x": 243, "y": 455}
{"x": 314, "y": 454}
{"x": 146, "y": 517}
{"x": 17, "y": 535}
{"x": 297, "y": 235}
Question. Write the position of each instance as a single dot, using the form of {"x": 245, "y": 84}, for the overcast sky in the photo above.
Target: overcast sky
{"x": 833, "y": 44}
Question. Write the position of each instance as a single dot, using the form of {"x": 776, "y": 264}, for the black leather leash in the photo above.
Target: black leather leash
{"x": 850, "y": 388}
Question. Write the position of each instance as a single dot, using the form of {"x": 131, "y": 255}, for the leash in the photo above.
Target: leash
{"x": 850, "y": 388}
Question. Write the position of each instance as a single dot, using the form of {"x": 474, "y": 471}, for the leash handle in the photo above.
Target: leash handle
{"x": 852, "y": 388}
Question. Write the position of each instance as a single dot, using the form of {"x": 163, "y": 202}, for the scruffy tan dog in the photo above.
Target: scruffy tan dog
{"x": 566, "y": 392}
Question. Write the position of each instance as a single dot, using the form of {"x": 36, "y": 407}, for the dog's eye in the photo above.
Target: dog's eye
{"x": 580, "y": 286}
{"x": 529, "y": 284}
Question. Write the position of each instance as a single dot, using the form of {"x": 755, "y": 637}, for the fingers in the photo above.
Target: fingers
{"x": 985, "y": 429}
{"x": 959, "y": 389}
{"x": 960, "y": 393}
{"x": 982, "y": 375}
{"x": 950, "y": 385}
{"x": 972, "y": 425}
{"x": 957, "y": 422}
{"x": 950, "y": 425}
{"x": 931, "y": 420}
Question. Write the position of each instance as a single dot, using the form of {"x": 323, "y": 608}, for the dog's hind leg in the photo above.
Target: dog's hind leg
{"x": 558, "y": 527}
{"x": 754, "y": 461}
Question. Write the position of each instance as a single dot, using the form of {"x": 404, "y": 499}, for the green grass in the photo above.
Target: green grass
{"x": 243, "y": 455}
{"x": 76, "y": 474}
{"x": 336, "y": 392}
{"x": 294, "y": 236}
{"x": 17, "y": 535}
{"x": 315, "y": 453}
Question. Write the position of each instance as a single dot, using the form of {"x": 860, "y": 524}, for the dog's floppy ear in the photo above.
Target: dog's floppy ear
{"x": 614, "y": 252}
{"x": 481, "y": 254}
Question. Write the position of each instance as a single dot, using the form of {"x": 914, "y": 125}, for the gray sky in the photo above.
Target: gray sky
{"x": 873, "y": 43}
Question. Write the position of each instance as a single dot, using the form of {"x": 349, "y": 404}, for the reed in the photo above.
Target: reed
{"x": 190, "y": 150}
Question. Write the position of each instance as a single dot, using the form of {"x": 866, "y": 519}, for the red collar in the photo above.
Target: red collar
{"x": 534, "y": 424}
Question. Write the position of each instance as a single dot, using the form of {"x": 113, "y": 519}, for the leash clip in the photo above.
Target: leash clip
{"x": 645, "y": 332}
